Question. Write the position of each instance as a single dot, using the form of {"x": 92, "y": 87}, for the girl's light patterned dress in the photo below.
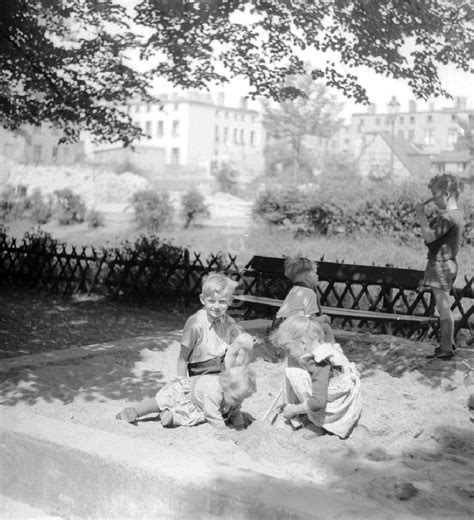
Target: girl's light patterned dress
{"x": 344, "y": 404}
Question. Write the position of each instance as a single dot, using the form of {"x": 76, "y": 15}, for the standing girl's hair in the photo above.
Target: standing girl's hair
{"x": 448, "y": 182}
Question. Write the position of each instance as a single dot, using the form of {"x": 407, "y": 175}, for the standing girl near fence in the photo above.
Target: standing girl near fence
{"x": 442, "y": 238}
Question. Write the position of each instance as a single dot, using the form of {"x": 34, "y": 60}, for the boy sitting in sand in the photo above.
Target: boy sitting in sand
{"x": 215, "y": 398}
{"x": 303, "y": 300}
{"x": 321, "y": 383}
{"x": 211, "y": 339}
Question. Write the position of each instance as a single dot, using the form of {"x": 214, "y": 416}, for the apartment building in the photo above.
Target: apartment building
{"x": 39, "y": 145}
{"x": 197, "y": 129}
{"x": 433, "y": 130}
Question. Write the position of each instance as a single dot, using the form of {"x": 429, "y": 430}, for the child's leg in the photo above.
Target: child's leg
{"x": 240, "y": 351}
{"x": 133, "y": 413}
{"x": 446, "y": 320}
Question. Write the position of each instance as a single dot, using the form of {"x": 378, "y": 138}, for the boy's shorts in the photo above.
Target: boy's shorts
{"x": 210, "y": 366}
{"x": 440, "y": 274}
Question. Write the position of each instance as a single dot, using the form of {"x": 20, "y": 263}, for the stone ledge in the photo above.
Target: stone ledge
{"x": 73, "y": 470}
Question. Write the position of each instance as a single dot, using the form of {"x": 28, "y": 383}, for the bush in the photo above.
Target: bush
{"x": 227, "y": 180}
{"x": 7, "y": 203}
{"x": 69, "y": 207}
{"x": 354, "y": 208}
{"x": 153, "y": 210}
{"x": 40, "y": 211}
{"x": 193, "y": 207}
{"x": 95, "y": 218}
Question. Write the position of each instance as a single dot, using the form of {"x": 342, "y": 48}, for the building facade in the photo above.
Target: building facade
{"x": 433, "y": 131}
{"x": 39, "y": 145}
{"x": 196, "y": 129}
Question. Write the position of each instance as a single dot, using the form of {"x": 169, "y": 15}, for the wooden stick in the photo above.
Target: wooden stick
{"x": 274, "y": 402}
{"x": 414, "y": 209}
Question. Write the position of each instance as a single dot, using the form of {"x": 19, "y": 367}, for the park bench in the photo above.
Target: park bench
{"x": 351, "y": 294}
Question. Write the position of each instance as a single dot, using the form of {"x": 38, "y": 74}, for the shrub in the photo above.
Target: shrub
{"x": 193, "y": 207}
{"x": 7, "y": 203}
{"x": 153, "y": 210}
{"x": 69, "y": 207}
{"x": 40, "y": 211}
{"x": 227, "y": 179}
{"x": 355, "y": 208}
{"x": 95, "y": 218}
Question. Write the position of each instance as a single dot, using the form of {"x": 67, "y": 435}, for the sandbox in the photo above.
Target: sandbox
{"x": 411, "y": 455}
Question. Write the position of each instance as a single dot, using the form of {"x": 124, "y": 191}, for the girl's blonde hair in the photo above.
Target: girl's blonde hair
{"x": 298, "y": 265}
{"x": 238, "y": 382}
{"x": 218, "y": 282}
{"x": 294, "y": 330}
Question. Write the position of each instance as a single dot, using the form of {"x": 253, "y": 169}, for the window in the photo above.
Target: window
{"x": 37, "y": 153}
{"x": 175, "y": 129}
{"x": 242, "y": 139}
{"x": 401, "y": 120}
{"x": 453, "y": 117}
{"x": 412, "y": 119}
{"x": 226, "y": 114}
{"x": 430, "y": 118}
{"x": 148, "y": 129}
{"x": 174, "y": 155}
{"x": 54, "y": 153}
{"x": 176, "y": 106}
{"x": 216, "y": 134}
{"x": 226, "y": 135}
{"x": 428, "y": 137}
{"x": 452, "y": 136}
{"x": 377, "y": 121}
{"x": 160, "y": 129}
{"x": 401, "y": 134}
{"x": 361, "y": 122}
{"x": 148, "y": 107}
{"x": 252, "y": 138}
{"x": 236, "y": 136}
{"x": 411, "y": 135}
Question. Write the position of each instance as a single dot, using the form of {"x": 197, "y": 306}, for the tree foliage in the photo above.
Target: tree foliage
{"x": 64, "y": 63}
{"x": 315, "y": 113}
{"x": 207, "y": 41}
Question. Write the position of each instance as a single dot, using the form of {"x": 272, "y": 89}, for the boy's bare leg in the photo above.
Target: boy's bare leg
{"x": 133, "y": 413}
{"x": 240, "y": 351}
{"x": 446, "y": 320}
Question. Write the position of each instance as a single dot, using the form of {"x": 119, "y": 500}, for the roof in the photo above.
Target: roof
{"x": 415, "y": 160}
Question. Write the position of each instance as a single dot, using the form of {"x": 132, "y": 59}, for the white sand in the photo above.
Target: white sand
{"x": 415, "y": 426}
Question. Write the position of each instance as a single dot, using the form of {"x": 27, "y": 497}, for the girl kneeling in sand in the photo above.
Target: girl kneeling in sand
{"x": 321, "y": 383}
{"x": 215, "y": 398}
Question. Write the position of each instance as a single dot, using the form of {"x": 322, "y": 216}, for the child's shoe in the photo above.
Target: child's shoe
{"x": 166, "y": 418}
{"x": 129, "y": 415}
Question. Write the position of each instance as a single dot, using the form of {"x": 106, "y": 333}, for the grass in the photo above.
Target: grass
{"x": 262, "y": 240}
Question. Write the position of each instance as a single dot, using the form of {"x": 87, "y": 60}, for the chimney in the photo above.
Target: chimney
{"x": 412, "y": 106}
{"x": 372, "y": 108}
{"x": 220, "y": 98}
